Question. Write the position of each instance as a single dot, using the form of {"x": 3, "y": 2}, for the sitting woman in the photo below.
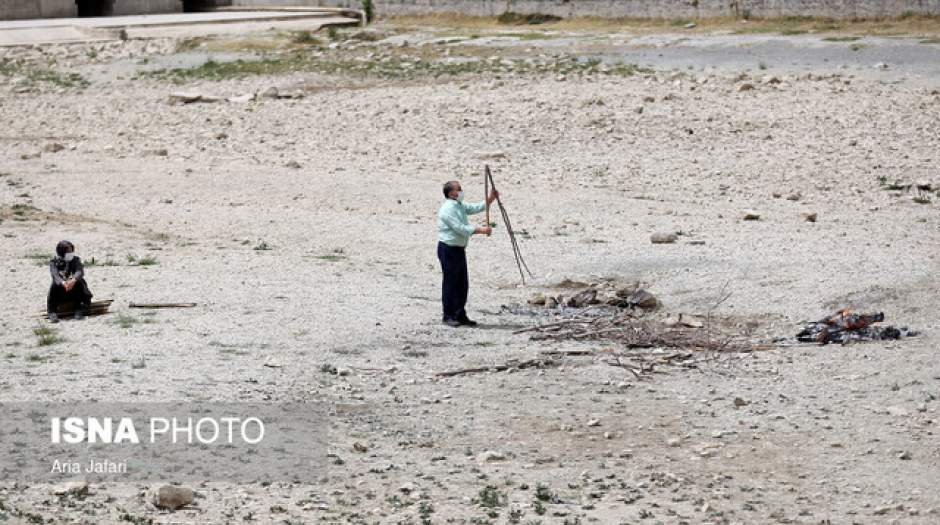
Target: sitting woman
{"x": 68, "y": 283}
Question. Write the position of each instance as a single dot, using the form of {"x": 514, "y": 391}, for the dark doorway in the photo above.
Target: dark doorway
{"x": 95, "y": 7}
{"x": 194, "y": 6}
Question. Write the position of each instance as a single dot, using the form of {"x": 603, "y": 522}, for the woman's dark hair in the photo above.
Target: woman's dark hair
{"x": 449, "y": 187}
{"x": 63, "y": 248}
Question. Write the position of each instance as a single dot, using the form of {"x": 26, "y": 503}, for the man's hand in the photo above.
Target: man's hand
{"x": 485, "y": 230}
{"x": 492, "y": 196}
{"x": 68, "y": 285}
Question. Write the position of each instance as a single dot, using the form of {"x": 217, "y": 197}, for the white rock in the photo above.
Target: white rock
{"x": 492, "y": 455}
{"x": 173, "y": 497}
{"x": 72, "y": 488}
{"x": 663, "y": 238}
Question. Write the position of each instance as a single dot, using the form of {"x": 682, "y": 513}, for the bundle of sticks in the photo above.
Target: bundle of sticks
{"x": 631, "y": 332}
{"x": 487, "y": 184}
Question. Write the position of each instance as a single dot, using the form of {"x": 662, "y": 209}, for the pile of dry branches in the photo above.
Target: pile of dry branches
{"x": 632, "y": 332}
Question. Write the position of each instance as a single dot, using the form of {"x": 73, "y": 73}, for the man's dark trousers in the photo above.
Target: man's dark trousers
{"x": 456, "y": 282}
{"x": 79, "y": 296}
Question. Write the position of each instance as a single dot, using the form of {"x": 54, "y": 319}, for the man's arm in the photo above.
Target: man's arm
{"x": 79, "y": 270}
{"x": 477, "y": 207}
{"x": 56, "y": 278}
{"x": 472, "y": 208}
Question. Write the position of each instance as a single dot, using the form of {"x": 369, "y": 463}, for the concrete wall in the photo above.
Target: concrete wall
{"x": 16, "y": 9}
{"x": 23, "y": 9}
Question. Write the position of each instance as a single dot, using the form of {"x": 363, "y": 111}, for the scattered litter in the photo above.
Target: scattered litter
{"x": 845, "y": 326}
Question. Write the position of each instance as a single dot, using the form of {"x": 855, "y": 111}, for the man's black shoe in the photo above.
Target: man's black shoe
{"x": 466, "y": 321}
{"x": 80, "y": 314}
{"x": 53, "y": 317}
{"x": 452, "y": 323}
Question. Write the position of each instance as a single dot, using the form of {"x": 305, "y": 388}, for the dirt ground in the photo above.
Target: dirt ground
{"x": 305, "y": 230}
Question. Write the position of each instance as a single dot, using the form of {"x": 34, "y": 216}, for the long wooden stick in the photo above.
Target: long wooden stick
{"x": 486, "y": 195}
{"x": 161, "y": 305}
{"x": 517, "y": 253}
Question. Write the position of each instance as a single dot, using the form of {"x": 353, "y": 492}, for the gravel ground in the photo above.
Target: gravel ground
{"x": 589, "y": 166}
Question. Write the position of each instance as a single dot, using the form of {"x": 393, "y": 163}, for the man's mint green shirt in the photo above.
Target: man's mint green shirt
{"x": 453, "y": 227}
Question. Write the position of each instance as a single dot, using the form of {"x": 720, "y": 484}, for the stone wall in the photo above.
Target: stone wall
{"x": 654, "y": 8}
{"x": 14, "y": 9}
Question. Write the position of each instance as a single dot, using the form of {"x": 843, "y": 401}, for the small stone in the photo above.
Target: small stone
{"x": 904, "y": 455}
{"x": 247, "y": 97}
{"x": 808, "y": 216}
{"x": 72, "y": 488}
{"x": 663, "y": 238}
{"x": 359, "y": 447}
{"x": 881, "y": 65}
{"x": 291, "y": 94}
{"x": 924, "y": 185}
{"x": 740, "y": 402}
{"x": 583, "y": 299}
{"x": 772, "y": 80}
{"x": 407, "y": 488}
{"x": 160, "y": 152}
{"x": 293, "y": 164}
{"x": 794, "y": 196}
{"x": 746, "y": 87}
{"x": 638, "y": 110}
{"x": 594, "y": 423}
{"x": 492, "y": 455}
{"x": 643, "y": 299}
{"x": 674, "y": 442}
{"x": 271, "y": 92}
{"x": 53, "y": 147}
{"x": 173, "y": 497}
{"x": 181, "y": 97}
{"x": 537, "y": 299}
{"x": 491, "y": 155}
{"x": 551, "y": 302}
{"x": 751, "y": 215}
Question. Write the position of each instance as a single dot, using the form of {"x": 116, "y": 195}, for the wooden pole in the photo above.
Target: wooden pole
{"x": 486, "y": 193}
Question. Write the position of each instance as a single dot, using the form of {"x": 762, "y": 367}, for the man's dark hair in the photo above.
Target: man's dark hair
{"x": 449, "y": 187}
{"x": 63, "y": 248}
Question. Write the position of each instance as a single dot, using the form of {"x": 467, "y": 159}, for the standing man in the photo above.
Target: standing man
{"x": 453, "y": 233}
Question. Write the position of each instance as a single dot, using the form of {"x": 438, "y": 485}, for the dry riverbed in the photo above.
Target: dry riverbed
{"x": 295, "y": 202}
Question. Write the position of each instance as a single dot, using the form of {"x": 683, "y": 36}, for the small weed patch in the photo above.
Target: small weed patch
{"x": 513, "y": 18}
{"x": 46, "y": 336}
{"x": 34, "y": 76}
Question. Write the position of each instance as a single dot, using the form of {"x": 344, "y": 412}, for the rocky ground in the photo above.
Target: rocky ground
{"x": 301, "y": 219}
